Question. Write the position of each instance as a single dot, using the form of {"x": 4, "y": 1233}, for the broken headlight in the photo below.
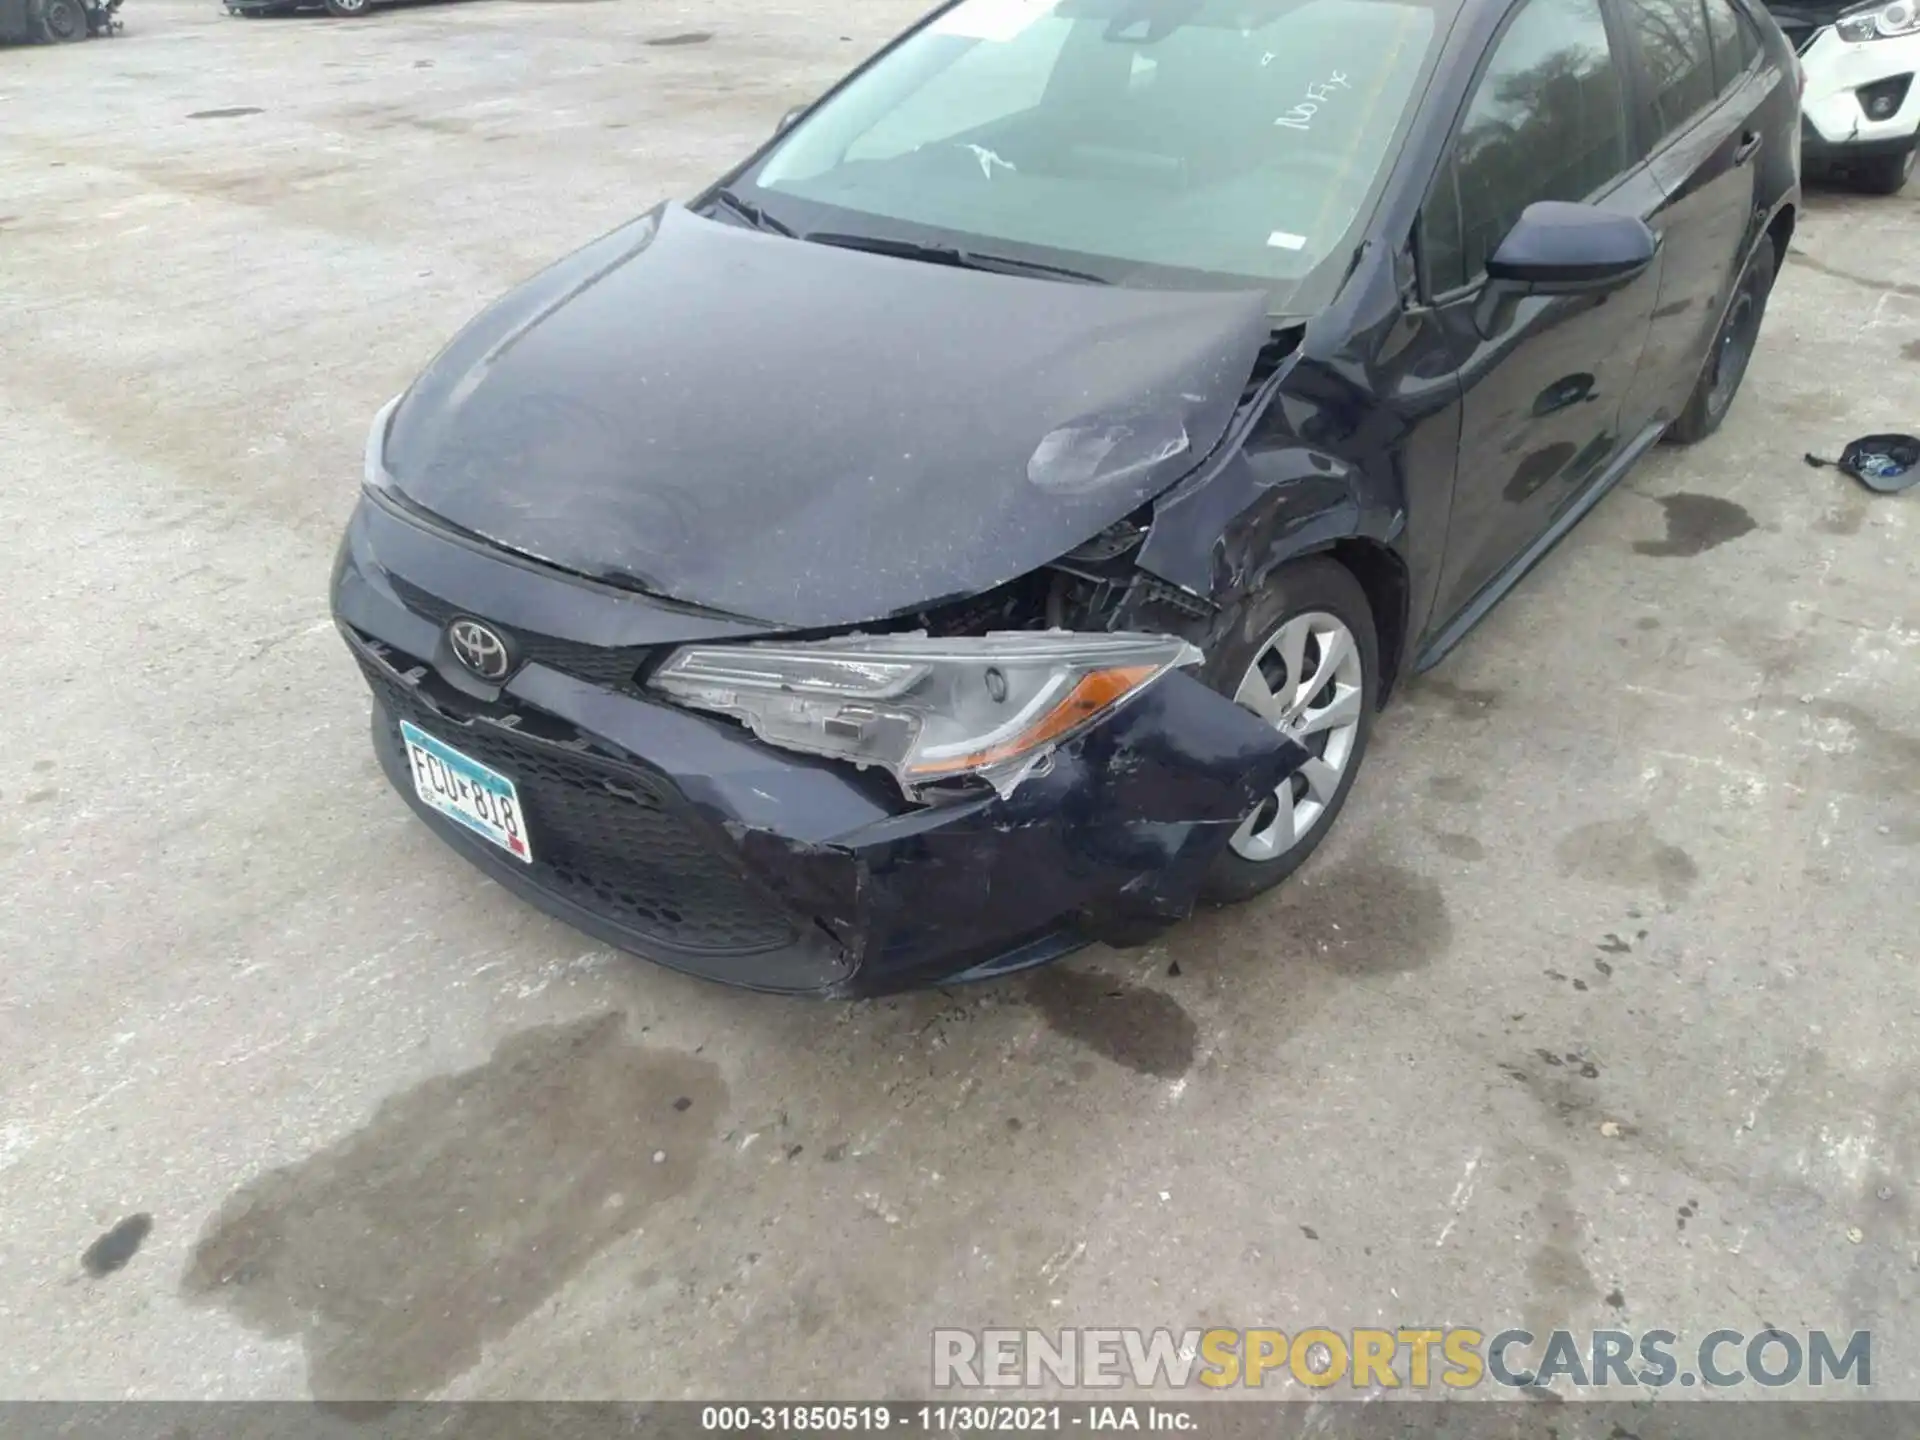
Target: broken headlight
{"x": 1880, "y": 22}
{"x": 990, "y": 706}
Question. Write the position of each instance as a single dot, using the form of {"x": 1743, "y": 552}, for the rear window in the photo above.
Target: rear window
{"x": 1735, "y": 45}
{"x": 1678, "y": 56}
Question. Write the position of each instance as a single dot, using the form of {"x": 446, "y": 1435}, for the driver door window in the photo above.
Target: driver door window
{"x": 1678, "y": 56}
{"x": 1547, "y": 122}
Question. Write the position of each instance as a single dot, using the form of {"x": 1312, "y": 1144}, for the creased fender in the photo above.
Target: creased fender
{"x": 1113, "y": 840}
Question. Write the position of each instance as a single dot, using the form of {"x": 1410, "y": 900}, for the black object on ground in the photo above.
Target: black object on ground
{"x": 1883, "y": 463}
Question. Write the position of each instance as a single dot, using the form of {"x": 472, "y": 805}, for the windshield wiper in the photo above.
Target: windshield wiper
{"x": 951, "y": 255}
{"x": 753, "y": 214}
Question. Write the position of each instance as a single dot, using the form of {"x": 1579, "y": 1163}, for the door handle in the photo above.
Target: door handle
{"x": 1749, "y": 142}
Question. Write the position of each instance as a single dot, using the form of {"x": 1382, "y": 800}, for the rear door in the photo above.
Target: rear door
{"x": 1701, "y": 85}
{"x": 1542, "y": 381}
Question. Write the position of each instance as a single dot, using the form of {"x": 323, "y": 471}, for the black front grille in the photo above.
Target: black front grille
{"x": 609, "y": 837}
{"x": 615, "y": 667}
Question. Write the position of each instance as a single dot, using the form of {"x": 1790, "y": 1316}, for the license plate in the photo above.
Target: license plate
{"x": 458, "y": 786}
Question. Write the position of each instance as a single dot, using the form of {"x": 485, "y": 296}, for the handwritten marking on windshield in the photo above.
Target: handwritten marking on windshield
{"x": 988, "y": 160}
{"x": 1301, "y": 116}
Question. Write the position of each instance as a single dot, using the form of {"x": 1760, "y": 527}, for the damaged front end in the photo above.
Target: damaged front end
{"x": 1111, "y": 843}
{"x": 683, "y": 836}
{"x": 809, "y": 707}
{"x": 932, "y": 712}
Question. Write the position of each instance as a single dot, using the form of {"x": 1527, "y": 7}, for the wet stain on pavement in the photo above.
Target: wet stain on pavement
{"x": 114, "y": 1249}
{"x": 1453, "y": 790}
{"x": 230, "y": 113}
{"x": 1627, "y": 853}
{"x": 1460, "y": 702}
{"x": 1911, "y": 351}
{"x": 1560, "y": 1282}
{"x": 468, "y": 1200}
{"x": 1369, "y": 918}
{"x": 691, "y": 37}
{"x": 1695, "y": 524}
{"x": 1142, "y": 1029}
{"x": 1565, "y": 1097}
{"x": 1889, "y": 759}
{"x": 1845, "y": 516}
{"x": 1459, "y": 847}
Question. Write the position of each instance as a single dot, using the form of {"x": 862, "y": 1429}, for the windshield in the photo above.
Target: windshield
{"x": 1144, "y": 141}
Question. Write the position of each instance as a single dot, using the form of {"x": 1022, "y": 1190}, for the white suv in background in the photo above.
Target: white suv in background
{"x": 1861, "y": 105}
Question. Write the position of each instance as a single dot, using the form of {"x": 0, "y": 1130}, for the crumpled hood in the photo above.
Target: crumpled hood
{"x": 811, "y": 436}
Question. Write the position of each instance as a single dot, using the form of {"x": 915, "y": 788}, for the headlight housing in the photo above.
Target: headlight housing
{"x": 373, "y": 473}
{"x": 1880, "y": 22}
{"x": 926, "y": 710}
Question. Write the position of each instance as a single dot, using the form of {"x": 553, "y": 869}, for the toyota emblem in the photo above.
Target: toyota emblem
{"x": 481, "y": 649}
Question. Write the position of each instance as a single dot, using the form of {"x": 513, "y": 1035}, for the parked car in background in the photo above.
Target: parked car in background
{"x": 1862, "y": 100}
{"x": 991, "y": 517}
{"x": 344, "y": 9}
{"x": 57, "y": 22}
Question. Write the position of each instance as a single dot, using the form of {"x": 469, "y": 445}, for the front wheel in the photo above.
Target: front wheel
{"x": 1885, "y": 174}
{"x": 1733, "y": 347}
{"x": 1302, "y": 655}
{"x": 348, "y": 9}
{"x": 62, "y": 21}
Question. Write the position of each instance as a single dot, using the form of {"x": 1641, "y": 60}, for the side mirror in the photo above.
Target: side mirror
{"x": 786, "y": 121}
{"x": 1557, "y": 248}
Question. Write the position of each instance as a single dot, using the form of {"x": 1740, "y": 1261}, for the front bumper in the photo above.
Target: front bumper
{"x": 681, "y": 838}
{"x": 1835, "y": 123}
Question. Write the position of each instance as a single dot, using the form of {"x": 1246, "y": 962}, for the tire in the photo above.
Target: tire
{"x": 1885, "y": 174}
{"x": 1317, "y": 600}
{"x": 1726, "y": 363}
{"x": 61, "y": 22}
{"x": 348, "y": 9}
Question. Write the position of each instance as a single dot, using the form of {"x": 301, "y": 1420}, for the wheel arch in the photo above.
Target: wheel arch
{"x": 1382, "y": 574}
{"x": 1227, "y": 540}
